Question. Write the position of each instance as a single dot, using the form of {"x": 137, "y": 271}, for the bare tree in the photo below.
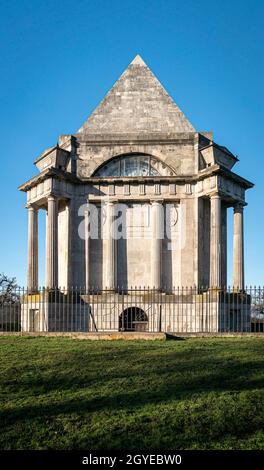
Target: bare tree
{"x": 8, "y": 289}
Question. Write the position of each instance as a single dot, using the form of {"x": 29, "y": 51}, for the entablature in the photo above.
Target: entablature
{"x": 65, "y": 185}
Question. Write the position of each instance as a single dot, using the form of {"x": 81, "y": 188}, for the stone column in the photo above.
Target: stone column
{"x": 238, "y": 255}
{"x": 157, "y": 224}
{"x": 87, "y": 249}
{"x": 224, "y": 246}
{"x": 52, "y": 243}
{"x": 32, "y": 271}
{"x": 215, "y": 242}
{"x": 69, "y": 211}
{"x": 109, "y": 258}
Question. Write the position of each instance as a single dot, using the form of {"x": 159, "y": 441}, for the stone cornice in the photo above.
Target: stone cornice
{"x": 62, "y": 175}
{"x": 219, "y": 170}
{"x": 50, "y": 172}
{"x": 213, "y": 170}
{"x": 222, "y": 149}
{"x": 136, "y": 139}
{"x": 231, "y": 175}
{"x": 138, "y": 179}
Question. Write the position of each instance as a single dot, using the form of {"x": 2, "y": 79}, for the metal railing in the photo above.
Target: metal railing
{"x": 174, "y": 310}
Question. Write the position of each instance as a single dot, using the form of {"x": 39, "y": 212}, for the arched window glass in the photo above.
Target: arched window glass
{"x": 134, "y": 165}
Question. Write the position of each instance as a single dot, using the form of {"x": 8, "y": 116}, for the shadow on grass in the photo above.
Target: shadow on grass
{"x": 186, "y": 371}
{"x": 145, "y": 395}
{"x": 174, "y": 337}
{"x": 176, "y": 381}
{"x": 166, "y": 422}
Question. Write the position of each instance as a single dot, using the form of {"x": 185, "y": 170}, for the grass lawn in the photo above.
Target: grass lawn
{"x": 60, "y": 393}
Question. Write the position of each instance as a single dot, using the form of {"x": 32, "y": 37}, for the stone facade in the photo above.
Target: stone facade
{"x": 184, "y": 174}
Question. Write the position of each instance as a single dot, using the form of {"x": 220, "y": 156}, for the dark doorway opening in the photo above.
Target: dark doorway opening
{"x": 133, "y": 319}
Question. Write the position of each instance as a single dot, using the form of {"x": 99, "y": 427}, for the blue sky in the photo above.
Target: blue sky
{"x": 59, "y": 58}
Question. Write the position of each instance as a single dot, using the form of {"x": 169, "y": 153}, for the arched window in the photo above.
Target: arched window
{"x": 136, "y": 164}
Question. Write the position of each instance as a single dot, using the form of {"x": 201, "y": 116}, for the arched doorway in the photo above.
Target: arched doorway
{"x": 133, "y": 319}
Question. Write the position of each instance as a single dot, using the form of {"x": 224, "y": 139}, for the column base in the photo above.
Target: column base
{"x": 238, "y": 290}
{"x": 32, "y": 290}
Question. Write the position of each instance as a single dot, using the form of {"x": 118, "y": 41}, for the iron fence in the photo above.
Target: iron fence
{"x": 177, "y": 310}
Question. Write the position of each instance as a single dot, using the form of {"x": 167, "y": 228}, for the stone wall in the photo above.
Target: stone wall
{"x": 180, "y": 154}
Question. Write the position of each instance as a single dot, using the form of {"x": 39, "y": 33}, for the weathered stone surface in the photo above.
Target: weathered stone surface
{"x": 137, "y": 104}
{"x": 138, "y": 117}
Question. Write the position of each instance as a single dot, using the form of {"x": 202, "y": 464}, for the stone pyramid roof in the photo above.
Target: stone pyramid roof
{"x": 137, "y": 104}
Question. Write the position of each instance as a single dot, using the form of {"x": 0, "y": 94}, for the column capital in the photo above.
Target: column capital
{"x": 110, "y": 202}
{"x": 156, "y": 201}
{"x": 215, "y": 196}
{"x": 52, "y": 197}
{"x": 32, "y": 207}
{"x": 239, "y": 207}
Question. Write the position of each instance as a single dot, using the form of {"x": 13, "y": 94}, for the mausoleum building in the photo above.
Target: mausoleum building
{"x": 137, "y": 164}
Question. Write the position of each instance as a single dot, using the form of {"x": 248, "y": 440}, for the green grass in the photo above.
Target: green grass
{"x": 59, "y": 393}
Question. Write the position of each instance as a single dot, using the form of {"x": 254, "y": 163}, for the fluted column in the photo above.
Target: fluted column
{"x": 87, "y": 249}
{"x": 52, "y": 243}
{"x": 215, "y": 242}
{"x": 157, "y": 224}
{"x": 224, "y": 246}
{"x": 110, "y": 254}
{"x": 32, "y": 271}
{"x": 238, "y": 246}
